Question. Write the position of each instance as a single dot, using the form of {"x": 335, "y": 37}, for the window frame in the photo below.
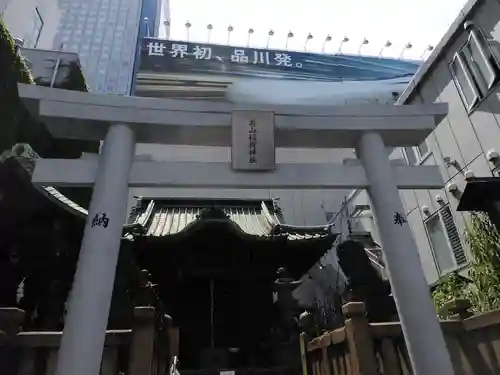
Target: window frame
{"x": 460, "y": 63}
{"x": 38, "y": 16}
{"x": 439, "y": 268}
{"x": 417, "y": 153}
{"x": 475, "y": 38}
{"x": 438, "y": 214}
{"x": 471, "y": 71}
{"x": 36, "y": 30}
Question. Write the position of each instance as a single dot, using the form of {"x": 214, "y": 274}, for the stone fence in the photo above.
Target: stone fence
{"x": 145, "y": 349}
{"x": 363, "y": 348}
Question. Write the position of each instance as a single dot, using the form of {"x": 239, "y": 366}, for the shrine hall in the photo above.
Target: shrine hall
{"x": 215, "y": 262}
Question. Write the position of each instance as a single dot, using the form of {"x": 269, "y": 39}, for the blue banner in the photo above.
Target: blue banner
{"x": 166, "y": 56}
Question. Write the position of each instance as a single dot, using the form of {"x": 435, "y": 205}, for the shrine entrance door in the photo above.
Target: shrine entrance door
{"x": 223, "y": 323}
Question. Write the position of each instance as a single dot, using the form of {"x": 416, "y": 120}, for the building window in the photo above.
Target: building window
{"x": 414, "y": 155}
{"x": 33, "y": 34}
{"x": 445, "y": 241}
{"x": 474, "y": 68}
{"x": 408, "y": 154}
{"x": 423, "y": 149}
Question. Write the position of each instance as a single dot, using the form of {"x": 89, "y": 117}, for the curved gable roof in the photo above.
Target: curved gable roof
{"x": 164, "y": 217}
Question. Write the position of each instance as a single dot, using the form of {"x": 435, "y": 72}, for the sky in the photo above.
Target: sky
{"x": 419, "y": 22}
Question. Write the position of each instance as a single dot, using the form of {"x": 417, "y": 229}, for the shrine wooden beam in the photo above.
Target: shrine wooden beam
{"x": 81, "y": 173}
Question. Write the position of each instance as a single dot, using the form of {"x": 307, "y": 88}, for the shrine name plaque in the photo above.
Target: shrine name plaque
{"x": 253, "y": 147}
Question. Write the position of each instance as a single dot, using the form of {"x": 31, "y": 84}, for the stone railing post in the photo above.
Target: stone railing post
{"x": 306, "y": 325}
{"x": 11, "y": 319}
{"x": 359, "y": 339}
{"x": 142, "y": 343}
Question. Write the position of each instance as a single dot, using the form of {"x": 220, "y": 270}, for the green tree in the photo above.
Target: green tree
{"x": 449, "y": 287}
{"x": 12, "y": 70}
{"x": 484, "y": 242}
{"x": 483, "y": 289}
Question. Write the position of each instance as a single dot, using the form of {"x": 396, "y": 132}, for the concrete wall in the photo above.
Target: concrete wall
{"x": 18, "y": 16}
{"x": 462, "y": 137}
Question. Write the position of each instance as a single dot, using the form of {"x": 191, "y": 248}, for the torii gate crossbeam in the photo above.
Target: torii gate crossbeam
{"x": 82, "y": 172}
{"x": 123, "y": 121}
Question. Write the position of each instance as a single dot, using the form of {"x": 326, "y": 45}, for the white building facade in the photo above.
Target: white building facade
{"x": 34, "y": 22}
{"x": 463, "y": 71}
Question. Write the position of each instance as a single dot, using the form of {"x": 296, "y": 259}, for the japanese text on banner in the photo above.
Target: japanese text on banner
{"x": 238, "y": 55}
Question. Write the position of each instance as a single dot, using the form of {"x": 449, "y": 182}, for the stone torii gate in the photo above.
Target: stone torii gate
{"x": 123, "y": 121}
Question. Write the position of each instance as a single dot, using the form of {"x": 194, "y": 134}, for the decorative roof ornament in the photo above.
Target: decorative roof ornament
{"x": 212, "y": 213}
{"x": 278, "y": 211}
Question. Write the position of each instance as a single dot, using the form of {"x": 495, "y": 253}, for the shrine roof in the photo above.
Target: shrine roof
{"x": 21, "y": 197}
{"x": 62, "y": 200}
{"x": 164, "y": 217}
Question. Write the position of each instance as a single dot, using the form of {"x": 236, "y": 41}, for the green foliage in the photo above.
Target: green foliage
{"x": 449, "y": 287}
{"x": 483, "y": 288}
{"x": 74, "y": 78}
{"x": 12, "y": 70}
{"x": 484, "y": 242}
{"x": 12, "y": 66}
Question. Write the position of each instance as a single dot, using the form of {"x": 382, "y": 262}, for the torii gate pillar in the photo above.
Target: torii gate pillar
{"x": 89, "y": 302}
{"x": 424, "y": 337}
